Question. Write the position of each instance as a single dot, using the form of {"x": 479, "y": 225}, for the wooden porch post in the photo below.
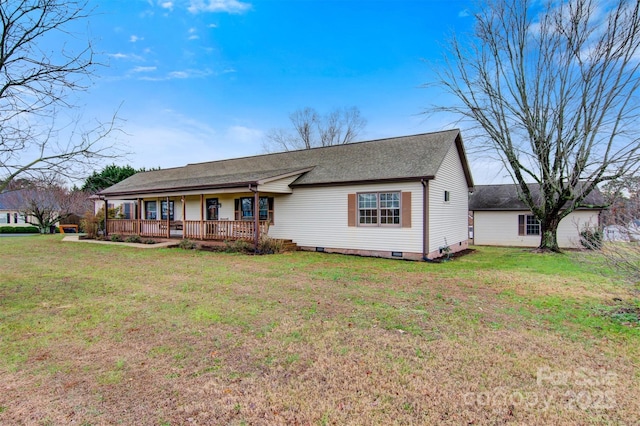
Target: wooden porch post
{"x": 184, "y": 217}
{"x": 106, "y": 215}
{"x": 168, "y": 219}
{"x": 256, "y": 218}
{"x": 139, "y": 216}
{"x": 202, "y": 235}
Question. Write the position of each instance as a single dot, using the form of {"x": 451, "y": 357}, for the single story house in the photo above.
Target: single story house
{"x": 9, "y": 215}
{"x": 501, "y": 218}
{"x": 403, "y": 197}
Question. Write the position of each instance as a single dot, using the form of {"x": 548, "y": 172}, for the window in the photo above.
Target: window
{"x": 528, "y": 225}
{"x": 5, "y": 218}
{"x": 127, "y": 210}
{"x": 367, "y": 209}
{"x": 244, "y": 208}
{"x": 379, "y": 208}
{"x": 163, "y": 207}
{"x": 447, "y": 196}
{"x": 18, "y": 219}
{"x": 150, "y": 210}
{"x": 212, "y": 208}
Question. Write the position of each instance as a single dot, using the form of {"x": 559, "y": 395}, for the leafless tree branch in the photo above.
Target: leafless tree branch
{"x": 311, "y": 130}
{"x": 553, "y": 91}
{"x": 36, "y": 82}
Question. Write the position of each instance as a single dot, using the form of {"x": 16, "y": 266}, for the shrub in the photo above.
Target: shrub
{"x": 186, "y": 244}
{"x": 133, "y": 239}
{"x": 591, "y": 238}
{"x": 91, "y": 224}
{"x": 238, "y": 246}
{"x": 19, "y": 230}
{"x": 116, "y": 238}
{"x": 268, "y": 245}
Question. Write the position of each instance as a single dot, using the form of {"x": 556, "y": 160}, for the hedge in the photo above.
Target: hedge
{"x": 19, "y": 230}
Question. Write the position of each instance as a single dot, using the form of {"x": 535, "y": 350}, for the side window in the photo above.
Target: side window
{"x": 244, "y": 208}
{"x": 379, "y": 208}
{"x": 150, "y": 210}
{"x": 528, "y": 225}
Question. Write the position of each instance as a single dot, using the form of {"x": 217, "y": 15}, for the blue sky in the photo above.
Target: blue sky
{"x": 201, "y": 80}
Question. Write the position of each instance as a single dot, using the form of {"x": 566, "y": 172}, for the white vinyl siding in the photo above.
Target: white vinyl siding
{"x": 317, "y": 217}
{"x": 280, "y": 186}
{"x": 500, "y": 228}
{"x": 448, "y": 218}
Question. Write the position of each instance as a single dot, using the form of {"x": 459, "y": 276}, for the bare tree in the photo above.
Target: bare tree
{"x": 46, "y": 201}
{"x": 38, "y": 75}
{"x": 618, "y": 243}
{"x": 311, "y": 130}
{"x": 623, "y": 199}
{"x": 552, "y": 90}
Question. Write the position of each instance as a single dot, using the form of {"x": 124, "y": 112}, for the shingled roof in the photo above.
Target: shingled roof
{"x": 505, "y": 197}
{"x": 393, "y": 159}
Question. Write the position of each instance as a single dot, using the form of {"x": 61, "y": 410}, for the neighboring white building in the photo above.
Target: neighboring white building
{"x": 500, "y": 218}
{"x": 628, "y": 232}
{"x": 404, "y": 197}
{"x": 9, "y": 216}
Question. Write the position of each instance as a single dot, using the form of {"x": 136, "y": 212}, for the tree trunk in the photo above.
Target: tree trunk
{"x": 549, "y": 235}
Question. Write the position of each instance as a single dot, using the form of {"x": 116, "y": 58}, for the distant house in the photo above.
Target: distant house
{"x": 627, "y": 232}
{"x": 9, "y": 215}
{"x": 403, "y": 197}
{"x": 500, "y": 218}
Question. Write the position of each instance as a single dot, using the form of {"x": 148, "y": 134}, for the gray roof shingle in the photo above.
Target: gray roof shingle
{"x": 505, "y": 197}
{"x": 401, "y": 158}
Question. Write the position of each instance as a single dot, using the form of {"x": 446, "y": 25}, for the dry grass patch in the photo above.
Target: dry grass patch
{"x": 105, "y": 335}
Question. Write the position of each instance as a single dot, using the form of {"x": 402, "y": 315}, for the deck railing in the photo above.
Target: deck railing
{"x": 194, "y": 229}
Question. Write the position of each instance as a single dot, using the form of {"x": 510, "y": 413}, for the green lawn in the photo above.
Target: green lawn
{"x": 98, "y": 334}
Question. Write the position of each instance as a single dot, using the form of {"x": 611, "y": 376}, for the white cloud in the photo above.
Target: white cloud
{"x": 228, "y": 6}
{"x": 212, "y": 26}
{"x": 464, "y": 13}
{"x": 144, "y": 69}
{"x": 179, "y": 74}
{"x": 171, "y": 139}
{"x": 125, "y": 56}
{"x": 193, "y": 34}
{"x": 167, "y": 5}
{"x": 243, "y": 135}
{"x": 134, "y": 38}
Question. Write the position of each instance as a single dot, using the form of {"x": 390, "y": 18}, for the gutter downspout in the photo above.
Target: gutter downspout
{"x": 425, "y": 220}
{"x": 256, "y": 217}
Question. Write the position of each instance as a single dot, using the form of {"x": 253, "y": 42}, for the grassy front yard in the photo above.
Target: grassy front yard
{"x": 93, "y": 334}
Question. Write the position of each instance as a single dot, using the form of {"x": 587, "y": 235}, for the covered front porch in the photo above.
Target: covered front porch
{"x": 222, "y": 207}
{"x": 222, "y": 230}
{"x": 225, "y": 215}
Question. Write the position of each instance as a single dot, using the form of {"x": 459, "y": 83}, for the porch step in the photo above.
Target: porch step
{"x": 289, "y": 245}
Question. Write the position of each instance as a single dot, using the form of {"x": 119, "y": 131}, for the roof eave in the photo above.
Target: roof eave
{"x": 178, "y": 188}
{"x": 463, "y": 159}
{"x": 363, "y": 182}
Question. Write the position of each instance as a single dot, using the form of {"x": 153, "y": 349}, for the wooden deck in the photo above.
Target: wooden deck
{"x": 217, "y": 230}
